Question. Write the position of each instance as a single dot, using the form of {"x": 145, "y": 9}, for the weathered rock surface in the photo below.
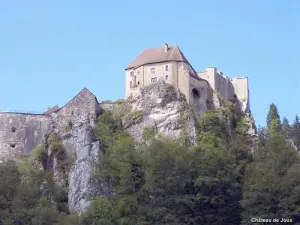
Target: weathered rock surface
{"x": 74, "y": 123}
{"x": 20, "y": 133}
{"x": 162, "y": 107}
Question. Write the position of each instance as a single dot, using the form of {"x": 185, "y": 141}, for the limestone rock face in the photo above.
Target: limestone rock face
{"x": 162, "y": 107}
{"x": 74, "y": 124}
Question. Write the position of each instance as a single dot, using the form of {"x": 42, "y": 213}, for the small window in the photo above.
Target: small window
{"x": 131, "y": 84}
{"x": 138, "y": 83}
{"x": 166, "y": 68}
{"x": 12, "y": 145}
{"x": 154, "y": 80}
{"x": 138, "y": 72}
{"x": 166, "y": 77}
{"x": 152, "y": 70}
{"x": 13, "y": 129}
{"x": 131, "y": 73}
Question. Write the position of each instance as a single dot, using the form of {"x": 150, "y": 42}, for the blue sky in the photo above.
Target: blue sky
{"x": 50, "y": 50}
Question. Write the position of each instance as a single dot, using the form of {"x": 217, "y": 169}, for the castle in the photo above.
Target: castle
{"x": 169, "y": 64}
{"x": 22, "y": 132}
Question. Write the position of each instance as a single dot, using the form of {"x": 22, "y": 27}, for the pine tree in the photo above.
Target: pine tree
{"x": 272, "y": 182}
{"x": 285, "y": 127}
{"x": 273, "y": 120}
{"x": 296, "y": 132}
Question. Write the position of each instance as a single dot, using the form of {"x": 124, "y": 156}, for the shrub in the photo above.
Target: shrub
{"x": 148, "y": 133}
{"x": 40, "y": 153}
{"x": 69, "y": 125}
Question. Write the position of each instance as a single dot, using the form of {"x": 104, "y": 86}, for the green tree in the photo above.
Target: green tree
{"x": 273, "y": 120}
{"x": 189, "y": 186}
{"x": 296, "y": 132}
{"x": 285, "y": 127}
{"x": 101, "y": 212}
{"x": 272, "y": 182}
{"x": 10, "y": 180}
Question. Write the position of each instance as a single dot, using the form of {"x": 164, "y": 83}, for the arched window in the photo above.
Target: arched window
{"x": 166, "y": 68}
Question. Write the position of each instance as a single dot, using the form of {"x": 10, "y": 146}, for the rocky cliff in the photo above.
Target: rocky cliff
{"x": 159, "y": 106}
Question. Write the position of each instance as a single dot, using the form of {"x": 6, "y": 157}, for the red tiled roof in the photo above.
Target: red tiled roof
{"x": 52, "y": 110}
{"x": 156, "y": 55}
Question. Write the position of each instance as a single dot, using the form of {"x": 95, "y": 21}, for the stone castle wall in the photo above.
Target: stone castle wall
{"x": 226, "y": 87}
{"x": 21, "y": 133}
{"x": 81, "y": 108}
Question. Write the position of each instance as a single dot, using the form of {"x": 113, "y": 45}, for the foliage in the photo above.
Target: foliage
{"x": 120, "y": 101}
{"x": 295, "y": 133}
{"x": 272, "y": 182}
{"x": 40, "y": 153}
{"x": 55, "y": 145}
{"x": 273, "y": 120}
{"x": 166, "y": 181}
{"x": 285, "y": 127}
{"x": 101, "y": 212}
{"x": 148, "y": 133}
{"x": 133, "y": 116}
{"x": 69, "y": 125}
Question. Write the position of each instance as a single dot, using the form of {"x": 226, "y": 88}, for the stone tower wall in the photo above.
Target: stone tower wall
{"x": 81, "y": 108}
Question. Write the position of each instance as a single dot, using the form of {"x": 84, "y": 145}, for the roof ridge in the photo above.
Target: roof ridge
{"x": 158, "y": 54}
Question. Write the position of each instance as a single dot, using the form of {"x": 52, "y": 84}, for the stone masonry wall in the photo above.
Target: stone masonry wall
{"x": 74, "y": 123}
{"x": 84, "y": 106}
{"x": 21, "y": 133}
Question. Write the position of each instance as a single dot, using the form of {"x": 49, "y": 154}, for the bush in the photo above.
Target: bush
{"x": 40, "y": 153}
{"x": 148, "y": 133}
{"x": 69, "y": 125}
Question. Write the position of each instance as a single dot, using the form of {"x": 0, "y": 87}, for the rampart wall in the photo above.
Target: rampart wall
{"x": 20, "y": 133}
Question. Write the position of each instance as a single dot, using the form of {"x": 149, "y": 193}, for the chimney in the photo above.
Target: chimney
{"x": 166, "y": 47}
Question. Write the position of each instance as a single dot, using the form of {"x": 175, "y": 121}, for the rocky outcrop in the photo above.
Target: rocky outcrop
{"x": 159, "y": 106}
{"x": 162, "y": 107}
{"x": 73, "y": 123}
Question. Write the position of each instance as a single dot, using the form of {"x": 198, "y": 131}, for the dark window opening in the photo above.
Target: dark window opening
{"x": 196, "y": 100}
{"x": 138, "y": 83}
{"x": 12, "y": 145}
{"x": 13, "y": 129}
{"x": 167, "y": 68}
{"x": 234, "y": 96}
{"x": 154, "y": 80}
{"x": 234, "y": 124}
